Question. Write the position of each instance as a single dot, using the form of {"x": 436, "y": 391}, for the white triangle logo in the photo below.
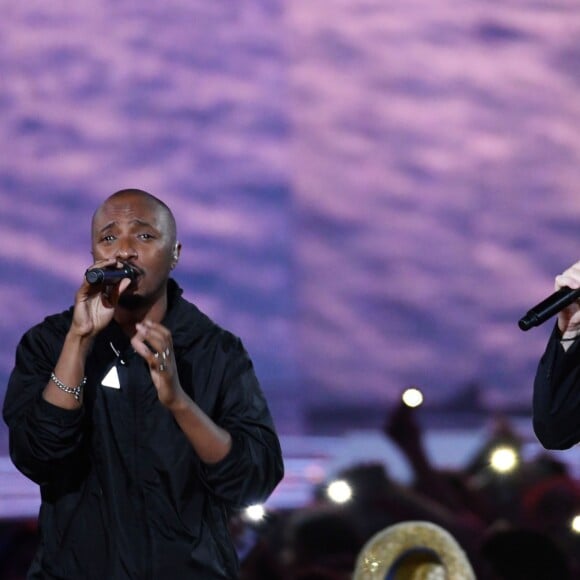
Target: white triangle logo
{"x": 111, "y": 379}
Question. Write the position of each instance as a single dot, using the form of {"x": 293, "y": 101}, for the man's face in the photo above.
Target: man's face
{"x": 136, "y": 231}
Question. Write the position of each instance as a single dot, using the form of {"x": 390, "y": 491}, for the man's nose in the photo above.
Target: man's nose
{"x": 125, "y": 251}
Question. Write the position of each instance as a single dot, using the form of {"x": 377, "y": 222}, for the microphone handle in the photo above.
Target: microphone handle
{"x": 548, "y": 307}
{"x": 108, "y": 276}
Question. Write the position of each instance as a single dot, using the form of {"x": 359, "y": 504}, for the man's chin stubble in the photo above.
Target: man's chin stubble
{"x": 132, "y": 301}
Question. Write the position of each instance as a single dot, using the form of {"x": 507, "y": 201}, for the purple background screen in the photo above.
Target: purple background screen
{"x": 370, "y": 194}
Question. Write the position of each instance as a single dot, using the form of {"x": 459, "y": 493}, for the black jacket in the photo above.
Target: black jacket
{"x": 123, "y": 493}
{"x": 556, "y": 401}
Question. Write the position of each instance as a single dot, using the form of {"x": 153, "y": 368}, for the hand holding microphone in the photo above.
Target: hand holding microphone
{"x": 564, "y": 302}
{"x": 97, "y": 298}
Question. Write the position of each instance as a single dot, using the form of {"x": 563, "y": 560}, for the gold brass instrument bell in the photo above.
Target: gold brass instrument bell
{"x": 413, "y": 550}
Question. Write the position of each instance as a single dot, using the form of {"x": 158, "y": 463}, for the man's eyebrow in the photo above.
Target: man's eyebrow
{"x": 139, "y": 222}
{"x": 136, "y": 222}
{"x": 107, "y": 227}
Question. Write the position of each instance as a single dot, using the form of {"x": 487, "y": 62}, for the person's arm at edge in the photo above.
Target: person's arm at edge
{"x": 556, "y": 396}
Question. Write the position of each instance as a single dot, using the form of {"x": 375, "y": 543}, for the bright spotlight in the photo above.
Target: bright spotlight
{"x": 504, "y": 459}
{"x": 255, "y": 513}
{"x": 412, "y": 397}
{"x": 339, "y": 491}
{"x": 575, "y": 525}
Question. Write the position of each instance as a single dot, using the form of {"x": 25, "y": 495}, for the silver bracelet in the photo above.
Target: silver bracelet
{"x": 74, "y": 391}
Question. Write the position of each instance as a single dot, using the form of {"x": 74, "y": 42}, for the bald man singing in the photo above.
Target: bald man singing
{"x": 141, "y": 420}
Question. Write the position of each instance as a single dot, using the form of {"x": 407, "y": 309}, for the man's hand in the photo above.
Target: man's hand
{"x": 569, "y": 317}
{"x": 95, "y": 304}
{"x": 153, "y": 342}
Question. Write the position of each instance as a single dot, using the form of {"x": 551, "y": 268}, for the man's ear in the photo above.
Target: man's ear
{"x": 176, "y": 253}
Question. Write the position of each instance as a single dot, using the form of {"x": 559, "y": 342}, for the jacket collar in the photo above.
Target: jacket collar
{"x": 185, "y": 321}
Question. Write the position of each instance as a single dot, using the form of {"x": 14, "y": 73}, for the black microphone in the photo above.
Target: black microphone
{"x": 109, "y": 275}
{"x": 548, "y": 307}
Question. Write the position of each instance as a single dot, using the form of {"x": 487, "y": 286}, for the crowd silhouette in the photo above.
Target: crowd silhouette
{"x": 512, "y": 526}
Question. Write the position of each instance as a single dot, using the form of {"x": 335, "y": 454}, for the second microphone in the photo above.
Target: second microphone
{"x": 548, "y": 307}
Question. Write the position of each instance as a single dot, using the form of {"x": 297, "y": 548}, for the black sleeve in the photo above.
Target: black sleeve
{"x": 254, "y": 466}
{"x": 556, "y": 398}
{"x": 42, "y": 436}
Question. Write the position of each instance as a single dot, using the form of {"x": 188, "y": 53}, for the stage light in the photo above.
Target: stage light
{"x": 504, "y": 459}
{"x": 575, "y": 525}
{"x": 412, "y": 397}
{"x": 255, "y": 513}
{"x": 339, "y": 491}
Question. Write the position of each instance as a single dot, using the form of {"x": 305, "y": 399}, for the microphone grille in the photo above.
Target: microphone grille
{"x": 93, "y": 276}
